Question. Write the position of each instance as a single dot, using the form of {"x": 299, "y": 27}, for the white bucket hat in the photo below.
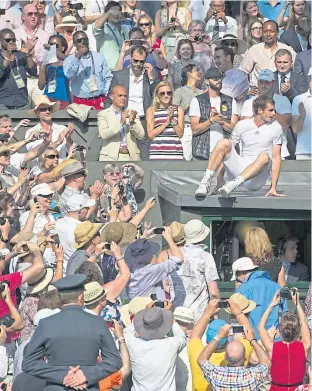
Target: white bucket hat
{"x": 195, "y": 231}
{"x": 242, "y": 264}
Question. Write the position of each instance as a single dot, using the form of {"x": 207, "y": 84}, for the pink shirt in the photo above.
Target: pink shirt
{"x": 43, "y": 38}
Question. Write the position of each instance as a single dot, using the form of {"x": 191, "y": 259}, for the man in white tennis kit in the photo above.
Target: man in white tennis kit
{"x": 261, "y": 140}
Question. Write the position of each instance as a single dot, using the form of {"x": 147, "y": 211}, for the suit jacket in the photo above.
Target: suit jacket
{"x": 303, "y": 63}
{"x": 70, "y": 338}
{"x": 290, "y": 38}
{"x": 298, "y": 85}
{"x": 298, "y": 272}
{"x": 109, "y": 131}
{"x": 123, "y": 77}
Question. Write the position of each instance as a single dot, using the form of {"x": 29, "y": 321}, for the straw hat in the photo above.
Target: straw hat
{"x": 57, "y": 171}
{"x": 93, "y": 293}
{"x": 40, "y": 282}
{"x": 244, "y": 304}
{"x": 85, "y": 231}
{"x": 241, "y": 45}
{"x": 67, "y": 21}
{"x": 120, "y": 233}
{"x": 177, "y": 231}
{"x": 43, "y": 100}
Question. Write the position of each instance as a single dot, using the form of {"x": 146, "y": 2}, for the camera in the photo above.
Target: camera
{"x": 2, "y": 220}
{"x": 2, "y": 11}
{"x": 135, "y": 42}
{"x": 198, "y": 38}
{"x": 238, "y": 329}
{"x": 126, "y": 172}
{"x": 215, "y": 14}
{"x": 6, "y": 321}
{"x": 56, "y": 239}
{"x": 107, "y": 246}
{"x": 2, "y": 286}
{"x": 224, "y": 304}
{"x": 173, "y": 19}
{"x": 160, "y": 304}
{"x": 121, "y": 188}
{"x": 127, "y": 15}
{"x": 77, "y": 6}
{"x": 80, "y": 148}
{"x": 285, "y": 293}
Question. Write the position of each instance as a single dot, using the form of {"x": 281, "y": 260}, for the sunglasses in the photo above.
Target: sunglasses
{"x": 46, "y": 196}
{"x": 142, "y": 62}
{"x": 32, "y": 14}
{"x": 10, "y": 40}
{"x": 52, "y": 156}
{"x": 216, "y": 78}
{"x": 114, "y": 173}
{"x": 44, "y": 109}
{"x": 165, "y": 93}
{"x": 230, "y": 44}
{"x": 82, "y": 40}
{"x": 144, "y": 24}
{"x": 57, "y": 45}
{"x": 5, "y": 154}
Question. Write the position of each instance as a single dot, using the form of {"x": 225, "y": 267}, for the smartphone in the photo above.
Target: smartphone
{"x": 160, "y": 304}
{"x": 110, "y": 324}
{"x": 35, "y": 199}
{"x": 107, "y": 246}
{"x": 56, "y": 239}
{"x": 223, "y": 304}
{"x": 2, "y": 11}
{"x": 238, "y": 329}
{"x": 158, "y": 231}
{"x": 25, "y": 248}
{"x": 135, "y": 42}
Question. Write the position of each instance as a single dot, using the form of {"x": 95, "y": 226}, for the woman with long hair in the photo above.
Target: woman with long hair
{"x": 145, "y": 22}
{"x": 51, "y": 76}
{"x": 184, "y": 54}
{"x": 288, "y": 356}
{"x": 298, "y": 8}
{"x": 254, "y": 35}
{"x": 259, "y": 248}
{"x": 171, "y": 24}
{"x": 165, "y": 125}
{"x": 249, "y": 13}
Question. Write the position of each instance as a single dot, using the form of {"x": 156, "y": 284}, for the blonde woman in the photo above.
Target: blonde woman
{"x": 146, "y": 25}
{"x": 165, "y": 125}
{"x": 297, "y": 8}
{"x": 259, "y": 248}
{"x": 171, "y": 24}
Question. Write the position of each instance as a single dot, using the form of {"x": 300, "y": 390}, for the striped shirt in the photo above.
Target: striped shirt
{"x": 167, "y": 145}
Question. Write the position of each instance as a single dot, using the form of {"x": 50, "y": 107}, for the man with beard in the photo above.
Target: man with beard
{"x": 140, "y": 81}
{"x": 213, "y": 116}
{"x": 88, "y": 72}
{"x": 261, "y": 139}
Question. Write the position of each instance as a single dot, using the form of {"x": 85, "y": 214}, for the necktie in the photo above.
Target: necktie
{"x": 215, "y": 34}
{"x": 283, "y": 80}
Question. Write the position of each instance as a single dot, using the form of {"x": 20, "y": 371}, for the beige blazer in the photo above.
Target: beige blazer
{"x": 109, "y": 132}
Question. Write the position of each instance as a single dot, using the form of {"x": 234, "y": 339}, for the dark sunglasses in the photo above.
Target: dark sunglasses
{"x": 57, "y": 45}
{"x": 82, "y": 40}
{"x": 44, "y": 109}
{"x": 46, "y": 196}
{"x": 5, "y": 154}
{"x": 32, "y": 14}
{"x": 230, "y": 44}
{"x": 10, "y": 40}
{"x": 142, "y": 62}
{"x": 216, "y": 78}
{"x": 164, "y": 93}
{"x": 144, "y": 24}
{"x": 52, "y": 156}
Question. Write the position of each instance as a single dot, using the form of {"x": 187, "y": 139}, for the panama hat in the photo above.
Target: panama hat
{"x": 120, "y": 233}
{"x": 40, "y": 282}
{"x": 85, "y": 231}
{"x": 244, "y": 304}
{"x": 153, "y": 323}
{"x": 43, "y": 100}
{"x": 67, "y": 21}
{"x": 177, "y": 232}
{"x": 242, "y": 45}
{"x": 73, "y": 168}
{"x": 195, "y": 231}
{"x": 93, "y": 293}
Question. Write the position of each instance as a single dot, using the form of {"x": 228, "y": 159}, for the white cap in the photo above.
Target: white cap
{"x": 242, "y": 264}
{"x": 42, "y": 189}
{"x": 78, "y": 202}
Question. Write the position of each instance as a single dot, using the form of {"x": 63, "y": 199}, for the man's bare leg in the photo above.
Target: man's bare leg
{"x": 221, "y": 151}
{"x": 251, "y": 171}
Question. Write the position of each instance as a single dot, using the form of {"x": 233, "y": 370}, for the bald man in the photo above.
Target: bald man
{"x": 230, "y": 376}
{"x": 119, "y": 129}
{"x": 32, "y": 36}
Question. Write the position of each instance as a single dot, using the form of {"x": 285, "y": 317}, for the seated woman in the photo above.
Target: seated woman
{"x": 165, "y": 125}
{"x": 51, "y": 76}
{"x": 185, "y": 55}
{"x": 249, "y": 13}
{"x": 254, "y": 33}
{"x": 171, "y": 24}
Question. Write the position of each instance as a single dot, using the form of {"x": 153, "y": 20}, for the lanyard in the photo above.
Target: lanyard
{"x": 116, "y": 39}
{"x": 18, "y": 71}
{"x": 93, "y": 65}
{"x": 54, "y": 76}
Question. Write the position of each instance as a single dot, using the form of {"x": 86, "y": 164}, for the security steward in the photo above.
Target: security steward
{"x": 65, "y": 347}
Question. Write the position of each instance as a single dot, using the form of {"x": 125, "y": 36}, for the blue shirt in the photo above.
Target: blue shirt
{"x": 270, "y": 12}
{"x": 260, "y": 288}
{"x": 62, "y": 92}
{"x": 82, "y": 70}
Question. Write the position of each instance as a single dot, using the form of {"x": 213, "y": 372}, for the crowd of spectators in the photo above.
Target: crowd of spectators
{"x": 88, "y": 300}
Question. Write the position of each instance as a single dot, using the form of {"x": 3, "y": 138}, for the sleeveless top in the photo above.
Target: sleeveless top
{"x": 288, "y": 365}
{"x": 167, "y": 145}
{"x": 62, "y": 92}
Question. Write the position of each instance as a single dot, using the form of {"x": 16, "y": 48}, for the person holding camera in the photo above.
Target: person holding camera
{"x": 289, "y": 355}
{"x": 130, "y": 13}
{"x": 73, "y": 8}
{"x": 110, "y": 33}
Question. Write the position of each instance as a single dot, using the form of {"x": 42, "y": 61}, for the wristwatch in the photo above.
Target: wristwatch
{"x": 94, "y": 255}
{"x": 216, "y": 339}
{"x": 174, "y": 122}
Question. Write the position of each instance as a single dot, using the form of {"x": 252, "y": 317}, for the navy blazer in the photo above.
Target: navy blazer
{"x": 298, "y": 85}
{"x": 290, "y": 38}
{"x": 298, "y": 272}
{"x": 303, "y": 63}
{"x": 70, "y": 338}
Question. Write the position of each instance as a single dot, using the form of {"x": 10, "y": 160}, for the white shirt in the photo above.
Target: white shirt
{"x": 65, "y": 229}
{"x": 39, "y": 223}
{"x": 17, "y": 159}
{"x": 56, "y": 130}
{"x": 154, "y": 362}
{"x": 255, "y": 140}
{"x": 216, "y": 131}
{"x": 199, "y": 9}
{"x": 282, "y": 106}
{"x": 304, "y": 137}
{"x": 135, "y": 99}
{"x": 229, "y": 28}
{"x": 98, "y": 6}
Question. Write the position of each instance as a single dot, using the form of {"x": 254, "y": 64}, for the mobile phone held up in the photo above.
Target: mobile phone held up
{"x": 223, "y": 304}
{"x": 238, "y": 329}
{"x": 158, "y": 231}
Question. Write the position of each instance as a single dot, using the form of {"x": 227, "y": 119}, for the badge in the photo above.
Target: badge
{"x": 224, "y": 108}
{"x": 51, "y": 86}
{"x": 92, "y": 84}
{"x": 19, "y": 81}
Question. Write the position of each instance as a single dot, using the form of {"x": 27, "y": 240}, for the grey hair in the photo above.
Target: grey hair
{"x": 111, "y": 167}
{"x": 195, "y": 23}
